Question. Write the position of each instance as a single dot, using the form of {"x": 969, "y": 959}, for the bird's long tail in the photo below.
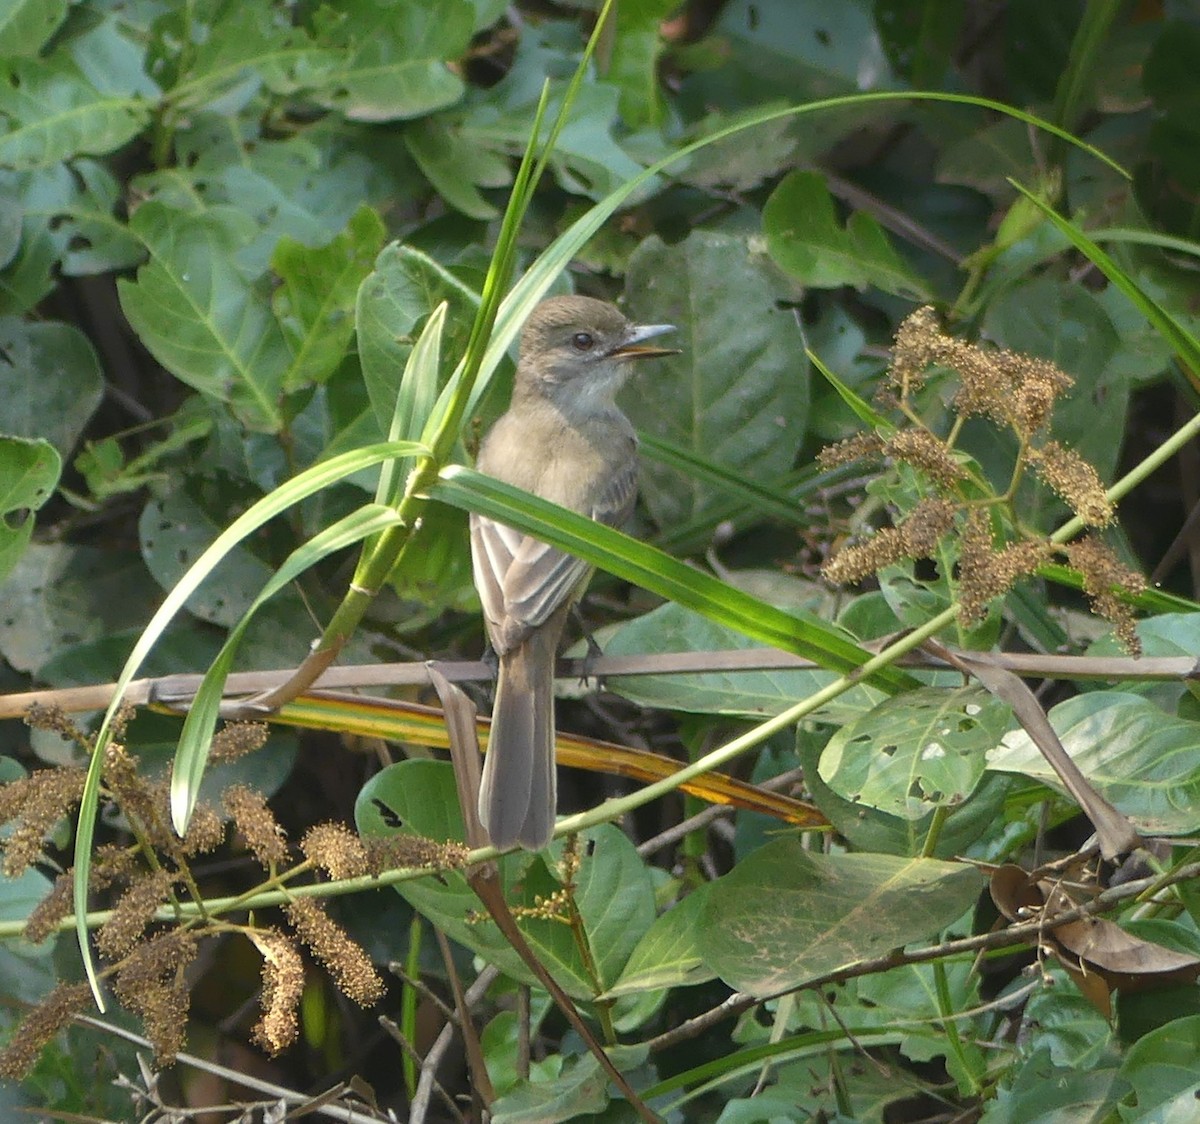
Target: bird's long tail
{"x": 517, "y": 798}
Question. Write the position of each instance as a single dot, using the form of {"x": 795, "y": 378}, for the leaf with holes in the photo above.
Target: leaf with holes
{"x": 916, "y": 752}
{"x": 28, "y": 473}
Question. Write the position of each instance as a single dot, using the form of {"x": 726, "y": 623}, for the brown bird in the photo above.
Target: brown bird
{"x": 564, "y": 439}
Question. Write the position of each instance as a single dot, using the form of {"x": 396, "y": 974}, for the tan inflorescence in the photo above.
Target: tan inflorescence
{"x": 993, "y": 549}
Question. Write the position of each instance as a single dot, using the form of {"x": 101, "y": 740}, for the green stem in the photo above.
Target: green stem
{"x": 950, "y": 1029}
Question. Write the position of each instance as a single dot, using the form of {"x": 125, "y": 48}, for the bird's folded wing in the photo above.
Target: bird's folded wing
{"x": 522, "y": 580}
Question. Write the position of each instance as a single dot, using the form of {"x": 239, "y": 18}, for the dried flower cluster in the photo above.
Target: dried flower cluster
{"x": 146, "y": 954}
{"x": 957, "y": 517}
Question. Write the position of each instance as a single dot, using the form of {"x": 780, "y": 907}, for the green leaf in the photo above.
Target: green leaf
{"x": 200, "y": 318}
{"x": 196, "y": 739}
{"x": 614, "y": 892}
{"x": 72, "y": 206}
{"x": 216, "y": 60}
{"x": 52, "y": 381}
{"x": 786, "y": 915}
{"x": 586, "y": 158}
{"x": 869, "y": 829}
{"x": 174, "y": 531}
{"x": 456, "y": 167}
{"x": 51, "y": 112}
{"x": 805, "y": 238}
{"x": 633, "y": 67}
{"x": 738, "y": 395}
{"x": 747, "y": 694}
{"x": 1184, "y": 343}
{"x": 405, "y": 287}
{"x": 643, "y": 565}
{"x": 920, "y": 751}
{"x": 1039, "y": 1092}
{"x": 60, "y": 596}
{"x": 315, "y": 303}
{"x": 27, "y": 24}
{"x": 668, "y": 955}
{"x": 798, "y": 49}
{"x": 393, "y": 57}
{"x": 29, "y": 472}
{"x": 1145, "y": 762}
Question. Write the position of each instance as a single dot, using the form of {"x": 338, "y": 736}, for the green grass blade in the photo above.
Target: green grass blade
{"x": 191, "y": 755}
{"x": 418, "y": 392}
{"x": 307, "y": 483}
{"x": 650, "y": 568}
{"x": 1185, "y": 345}
{"x": 535, "y": 283}
{"x": 770, "y": 502}
{"x": 863, "y": 410}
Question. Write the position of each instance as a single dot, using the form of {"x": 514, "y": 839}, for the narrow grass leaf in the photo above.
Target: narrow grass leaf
{"x": 274, "y": 503}
{"x": 195, "y": 741}
{"x": 644, "y": 565}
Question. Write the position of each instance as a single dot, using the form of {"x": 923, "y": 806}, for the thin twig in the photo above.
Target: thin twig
{"x": 426, "y": 1082}
{"x": 358, "y": 1114}
{"x": 178, "y": 690}
{"x": 1023, "y": 933}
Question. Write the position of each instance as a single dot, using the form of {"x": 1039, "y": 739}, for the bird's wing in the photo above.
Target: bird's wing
{"x": 522, "y": 580}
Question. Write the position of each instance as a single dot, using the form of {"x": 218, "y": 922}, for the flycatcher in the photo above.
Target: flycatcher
{"x": 563, "y": 439}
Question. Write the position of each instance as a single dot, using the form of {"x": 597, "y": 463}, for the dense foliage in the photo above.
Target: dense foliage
{"x": 933, "y": 270}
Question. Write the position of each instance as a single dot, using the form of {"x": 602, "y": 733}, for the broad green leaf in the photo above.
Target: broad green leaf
{"x": 60, "y": 595}
{"x": 1163, "y": 1069}
{"x": 747, "y": 694}
{"x": 578, "y": 1092}
{"x": 303, "y": 188}
{"x": 614, "y": 892}
{"x": 1039, "y": 1092}
{"x": 1184, "y": 342}
{"x": 29, "y": 471}
{"x": 454, "y": 166}
{"x": 668, "y": 954}
{"x": 241, "y": 47}
{"x": 50, "y": 381}
{"x": 315, "y": 303}
{"x": 917, "y": 752}
{"x": 738, "y": 395}
{"x": 50, "y": 112}
{"x": 798, "y": 49}
{"x": 806, "y": 239}
{"x": 394, "y": 57}
{"x": 637, "y": 562}
{"x": 404, "y": 288}
{"x": 587, "y": 158}
{"x": 200, "y": 318}
{"x": 26, "y": 24}
{"x": 869, "y": 829}
{"x": 174, "y": 531}
{"x": 1144, "y": 761}
{"x": 26, "y": 970}
{"x": 633, "y": 66}
{"x": 73, "y": 208}
{"x": 920, "y": 39}
{"x": 785, "y": 915}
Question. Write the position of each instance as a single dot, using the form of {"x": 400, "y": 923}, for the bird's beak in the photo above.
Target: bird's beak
{"x": 632, "y": 347}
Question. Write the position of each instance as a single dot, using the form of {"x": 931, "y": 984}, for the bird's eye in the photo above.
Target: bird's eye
{"x": 583, "y": 341}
